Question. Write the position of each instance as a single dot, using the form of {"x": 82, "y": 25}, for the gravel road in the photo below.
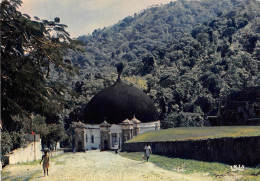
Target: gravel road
{"x": 96, "y": 166}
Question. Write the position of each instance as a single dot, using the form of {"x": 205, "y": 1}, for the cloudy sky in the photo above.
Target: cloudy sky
{"x": 83, "y": 16}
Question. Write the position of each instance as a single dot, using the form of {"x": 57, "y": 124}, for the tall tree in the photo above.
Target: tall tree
{"x": 29, "y": 48}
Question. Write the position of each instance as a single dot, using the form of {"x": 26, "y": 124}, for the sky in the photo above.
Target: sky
{"x": 84, "y": 16}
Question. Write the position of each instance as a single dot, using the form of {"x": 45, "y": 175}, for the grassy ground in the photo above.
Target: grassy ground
{"x": 186, "y": 166}
{"x": 196, "y": 133}
{"x": 5, "y": 176}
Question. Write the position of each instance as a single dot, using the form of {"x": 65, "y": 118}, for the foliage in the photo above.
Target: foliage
{"x": 50, "y": 133}
{"x": 30, "y": 51}
{"x": 136, "y": 81}
{"x": 197, "y": 133}
{"x": 183, "y": 120}
{"x": 12, "y": 140}
{"x": 189, "y": 52}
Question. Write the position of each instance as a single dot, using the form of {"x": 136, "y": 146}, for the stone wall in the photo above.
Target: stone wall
{"x": 150, "y": 126}
{"x": 56, "y": 152}
{"x": 26, "y": 154}
{"x": 242, "y": 150}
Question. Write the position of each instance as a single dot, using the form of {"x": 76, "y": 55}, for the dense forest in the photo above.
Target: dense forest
{"x": 186, "y": 55}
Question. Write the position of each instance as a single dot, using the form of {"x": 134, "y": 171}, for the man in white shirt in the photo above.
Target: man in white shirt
{"x": 116, "y": 147}
{"x": 148, "y": 151}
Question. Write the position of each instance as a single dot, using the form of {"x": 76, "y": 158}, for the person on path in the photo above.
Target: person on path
{"x": 116, "y": 147}
{"x": 46, "y": 164}
{"x": 148, "y": 151}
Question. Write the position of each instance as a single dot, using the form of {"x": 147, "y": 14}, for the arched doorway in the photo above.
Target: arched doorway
{"x": 105, "y": 145}
{"x": 79, "y": 146}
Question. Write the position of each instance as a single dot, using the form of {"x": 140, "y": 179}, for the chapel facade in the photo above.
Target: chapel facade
{"x": 104, "y": 136}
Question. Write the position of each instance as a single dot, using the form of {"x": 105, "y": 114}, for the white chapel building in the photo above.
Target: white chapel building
{"x": 115, "y": 115}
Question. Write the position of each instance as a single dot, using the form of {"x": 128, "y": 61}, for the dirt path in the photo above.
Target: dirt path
{"x": 96, "y": 165}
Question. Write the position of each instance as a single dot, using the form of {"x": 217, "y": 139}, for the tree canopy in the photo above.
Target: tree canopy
{"x": 30, "y": 48}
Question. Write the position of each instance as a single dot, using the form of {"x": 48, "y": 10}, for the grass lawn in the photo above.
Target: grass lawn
{"x": 187, "y": 166}
{"x": 197, "y": 133}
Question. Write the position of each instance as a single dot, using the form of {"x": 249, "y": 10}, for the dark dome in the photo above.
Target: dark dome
{"x": 118, "y": 102}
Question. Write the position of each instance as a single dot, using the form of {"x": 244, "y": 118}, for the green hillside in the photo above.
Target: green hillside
{"x": 197, "y": 133}
{"x": 146, "y": 32}
{"x": 186, "y": 53}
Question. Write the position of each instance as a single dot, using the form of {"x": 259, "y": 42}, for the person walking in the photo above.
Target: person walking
{"x": 148, "y": 151}
{"x": 46, "y": 164}
{"x": 116, "y": 147}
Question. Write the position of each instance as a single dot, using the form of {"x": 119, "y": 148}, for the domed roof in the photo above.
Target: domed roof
{"x": 119, "y": 102}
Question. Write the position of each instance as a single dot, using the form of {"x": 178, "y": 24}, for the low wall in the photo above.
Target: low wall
{"x": 26, "y": 154}
{"x": 242, "y": 150}
{"x": 56, "y": 152}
